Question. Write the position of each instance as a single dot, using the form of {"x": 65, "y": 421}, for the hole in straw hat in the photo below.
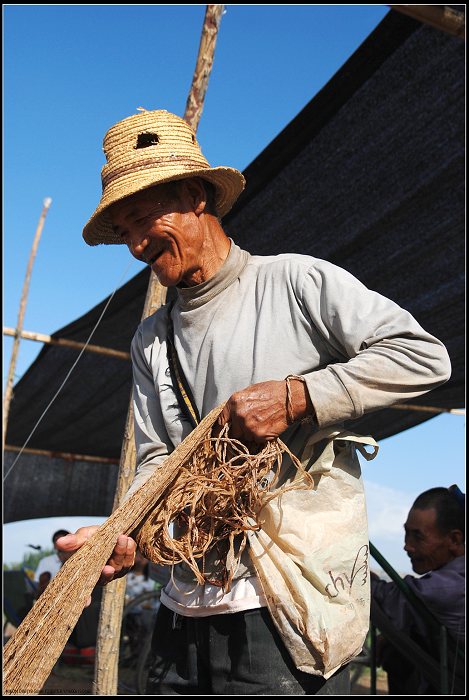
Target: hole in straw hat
{"x": 145, "y": 140}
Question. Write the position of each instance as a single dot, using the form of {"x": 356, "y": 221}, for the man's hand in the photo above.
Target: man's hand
{"x": 121, "y": 560}
{"x": 259, "y": 412}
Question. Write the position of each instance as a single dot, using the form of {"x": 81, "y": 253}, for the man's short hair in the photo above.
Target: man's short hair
{"x": 59, "y": 533}
{"x": 449, "y": 513}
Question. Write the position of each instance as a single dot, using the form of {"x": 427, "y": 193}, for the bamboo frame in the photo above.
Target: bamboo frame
{"x": 440, "y": 17}
{"x": 65, "y": 342}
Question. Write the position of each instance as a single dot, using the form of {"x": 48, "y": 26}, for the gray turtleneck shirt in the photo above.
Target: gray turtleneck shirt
{"x": 262, "y": 318}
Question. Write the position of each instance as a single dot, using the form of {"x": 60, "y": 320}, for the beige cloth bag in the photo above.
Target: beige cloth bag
{"x": 311, "y": 556}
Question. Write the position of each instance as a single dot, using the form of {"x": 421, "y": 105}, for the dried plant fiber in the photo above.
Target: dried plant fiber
{"x": 213, "y": 512}
{"x": 31, "y": 653}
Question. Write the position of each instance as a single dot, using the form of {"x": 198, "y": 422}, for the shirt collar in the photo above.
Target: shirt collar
{"x": 193, "y": 297}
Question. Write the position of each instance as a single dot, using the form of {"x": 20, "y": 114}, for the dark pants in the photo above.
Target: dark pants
{"x": 231, "y": 654}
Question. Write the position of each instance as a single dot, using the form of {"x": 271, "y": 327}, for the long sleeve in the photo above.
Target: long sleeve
{"x": 383, "y": 354}
{"x": 152, "y": 441}
{"x": 442, "y": 591}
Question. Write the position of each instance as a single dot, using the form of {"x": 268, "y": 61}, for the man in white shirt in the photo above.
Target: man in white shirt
{"x": 51, "y": 563}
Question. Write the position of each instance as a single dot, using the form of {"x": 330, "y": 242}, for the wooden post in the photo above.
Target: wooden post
{"x": 107, "y": 648}
{"x": 19, "y": 325}
{"x": 442, "y": 17}
{"x": 208, "y": 40}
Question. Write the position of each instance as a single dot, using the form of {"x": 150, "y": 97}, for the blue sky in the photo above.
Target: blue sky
{"x": 70, "y": 72}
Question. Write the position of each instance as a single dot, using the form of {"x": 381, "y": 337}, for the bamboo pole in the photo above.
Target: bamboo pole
{"x": 208, "y": 40}
{"x": 107, "y": 648}
{"x": 428, "y": 409}
{"x": 68, "y": 456}
{"x": 19, "y": 324}
{"x": 441, "y": 17}
{"x": 65, "y": 342}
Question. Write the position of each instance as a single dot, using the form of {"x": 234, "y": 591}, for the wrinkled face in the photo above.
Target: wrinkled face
{"x": 427, "y": 548}
{"x": 161, "y": 227}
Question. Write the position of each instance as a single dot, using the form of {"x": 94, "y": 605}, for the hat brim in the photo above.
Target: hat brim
{"x": 228, "y": 182}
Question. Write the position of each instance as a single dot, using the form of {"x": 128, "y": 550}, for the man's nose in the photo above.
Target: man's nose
{"x": 137, "y": 243}
{"x": 408, "y": 546}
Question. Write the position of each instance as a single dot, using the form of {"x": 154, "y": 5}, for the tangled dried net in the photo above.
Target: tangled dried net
{"x": 215, "y": 500}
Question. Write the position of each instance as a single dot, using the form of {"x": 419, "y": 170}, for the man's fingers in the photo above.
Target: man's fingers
{"x": 107, "y": 575}
{"x": 222, "y": 420}
{"x": 72, "y": 542}
{"x": 224, "y": 416}
{"x": 122, "y": 559}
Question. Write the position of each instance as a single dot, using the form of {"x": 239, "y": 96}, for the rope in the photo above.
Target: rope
{"x": 215, "y": 500}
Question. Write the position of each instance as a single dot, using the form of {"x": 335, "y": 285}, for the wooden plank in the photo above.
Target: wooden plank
{"x": 441, "y": 17}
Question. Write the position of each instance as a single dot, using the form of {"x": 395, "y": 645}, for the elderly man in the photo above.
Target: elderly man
{"x": 435, "y": 543}
{"x": 290, "y": 343}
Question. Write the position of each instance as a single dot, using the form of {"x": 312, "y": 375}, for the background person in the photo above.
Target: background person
{"x": 50, "y": 564}
{"x": 435, "y": 544}
{"x": 140, "y": 617}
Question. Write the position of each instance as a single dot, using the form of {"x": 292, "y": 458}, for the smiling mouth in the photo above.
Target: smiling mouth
{"x": 154, "y": 258}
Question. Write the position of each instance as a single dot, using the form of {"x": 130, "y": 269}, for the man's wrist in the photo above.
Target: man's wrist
{"x": 299, "y": 404}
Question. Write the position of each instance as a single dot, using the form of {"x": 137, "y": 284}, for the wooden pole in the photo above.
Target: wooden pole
{"x": 68, "y": 456}
{"x": 428, "y": 409}
{"x": 441, "y": 17}
{"x": 107, "y": 648}
{"x": 19, "y": 324}
{"x": 208, "y": 40}
{"x": 64, "y": 342}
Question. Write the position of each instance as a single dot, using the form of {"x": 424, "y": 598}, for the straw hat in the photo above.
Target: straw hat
{"x": 148, "y": 149}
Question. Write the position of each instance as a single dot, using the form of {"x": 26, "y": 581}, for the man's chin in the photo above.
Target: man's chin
{"x": 167, "y": 277}
{"x": 419, "y": 568}
{"x": 164, "y": 279}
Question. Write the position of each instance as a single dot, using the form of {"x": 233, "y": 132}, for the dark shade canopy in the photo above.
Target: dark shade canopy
{"x": 370, "y": 176}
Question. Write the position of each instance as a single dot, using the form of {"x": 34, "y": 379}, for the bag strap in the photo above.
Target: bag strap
{"x": 181, "y": 387}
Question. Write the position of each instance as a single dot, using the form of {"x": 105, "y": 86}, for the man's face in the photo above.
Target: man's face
{"x": 63, "y": 556}
{"x": 160, "y": 226}
{"x": 427, "y": 548}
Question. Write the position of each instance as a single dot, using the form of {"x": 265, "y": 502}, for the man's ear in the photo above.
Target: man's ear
{"x": 194, "y": 189}
{"x": 456, "y": 540}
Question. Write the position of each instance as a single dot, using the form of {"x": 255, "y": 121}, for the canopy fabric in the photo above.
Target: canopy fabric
{"x": 369, "y": 175}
